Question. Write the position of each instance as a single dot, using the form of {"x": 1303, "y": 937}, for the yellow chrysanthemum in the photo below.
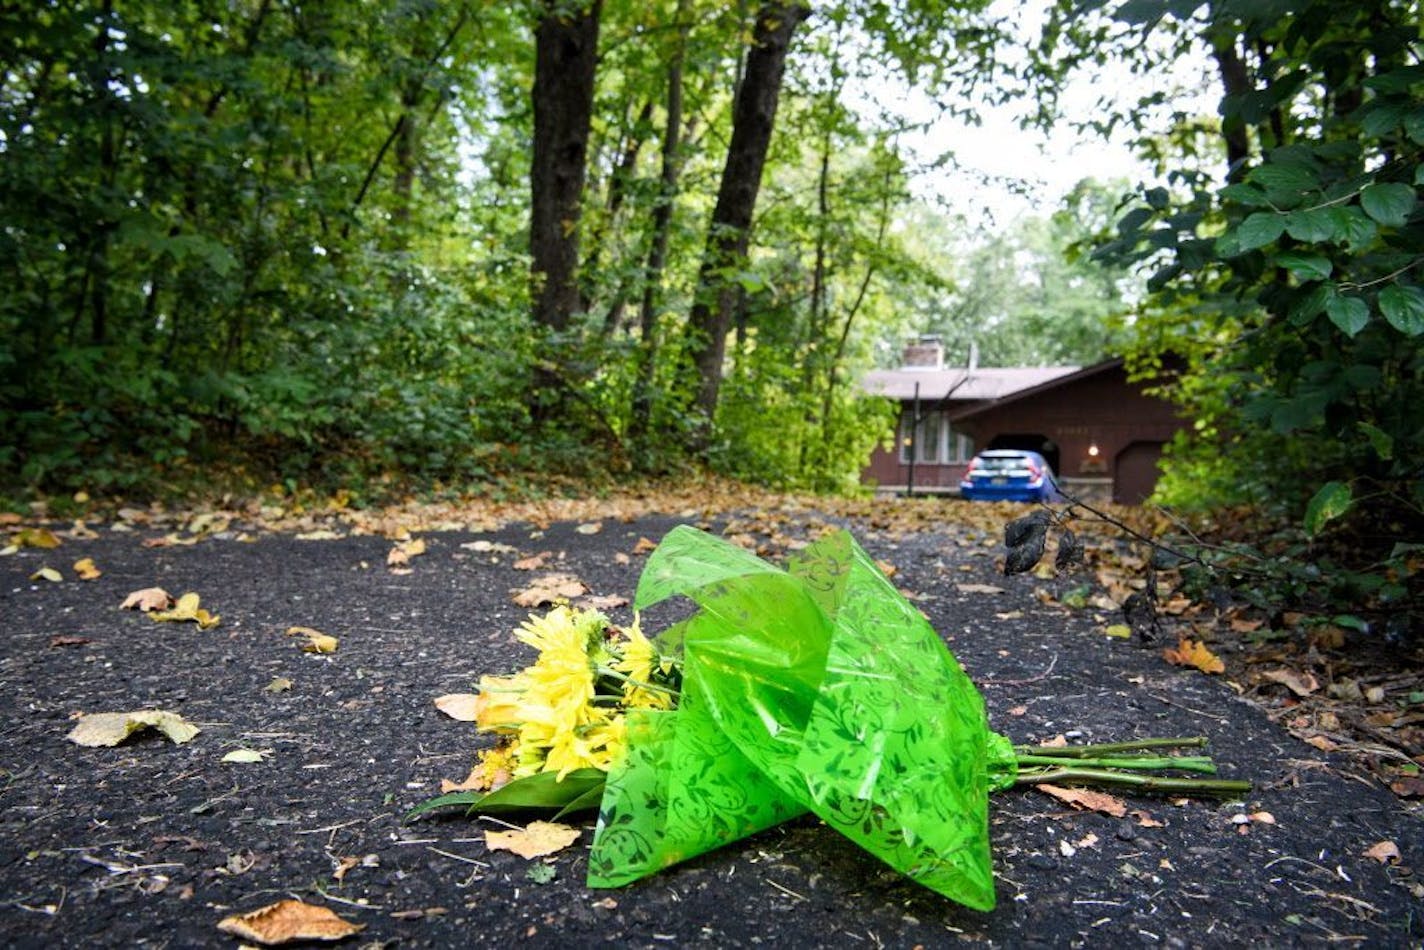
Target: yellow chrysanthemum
{"x": 640, "y": 659}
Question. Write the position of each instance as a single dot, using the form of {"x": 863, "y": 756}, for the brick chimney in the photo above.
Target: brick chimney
{"x": 925, "y": 353}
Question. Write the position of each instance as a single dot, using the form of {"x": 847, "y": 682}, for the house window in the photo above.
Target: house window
{"x": 935, "y": 441}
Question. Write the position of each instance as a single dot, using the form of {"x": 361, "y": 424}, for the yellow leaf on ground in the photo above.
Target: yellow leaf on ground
{"x": 550, "y": 589}
{"x": 279, "y": 684}
{"x": 1194, "y": 653}
{"x": 317, "y": 642}
{"x": 1120, "y": 631}
{"x": 403, "y": 552}
{"x": 245, "y": 755}
{"x": 460, "y": 706}
{"x": 150, "y": 598}
{"x": 534, "y": 841}
{"x": 35, "y": 538}
{"x": 644, "y": 546}
{"x": 47, "y": 574}
{"x": 287, "y": 921}
{"x": 1383, "y": 852}
{"x": 1087, "y": 798}
{"x": 187, "y": 609}
{"x": 106, "y": 729}
{"x": 591, "y": 528}
{"x": 86, "y": 569}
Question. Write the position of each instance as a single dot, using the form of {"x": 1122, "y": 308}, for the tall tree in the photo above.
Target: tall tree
{"x": 566, "y": 56}
{"x": 753, "y": 119}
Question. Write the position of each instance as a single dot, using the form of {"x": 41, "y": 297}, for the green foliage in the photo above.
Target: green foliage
{"x": 1292, "y": 293}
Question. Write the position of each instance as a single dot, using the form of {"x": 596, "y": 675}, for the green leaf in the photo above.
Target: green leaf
{"x": 541, "y": 873}
{"x": 1419, "y": 174}
{"x": 1350, "y": 622}
{"x": 1260, "y": 229}
{"x": 1288, "y": 177}
{"x": 1403, "y": 307}
{"x": 579, "y": 790}
{"x": 443, "y": 801}
{"x": 1309, "y": 305}
{"x": 1306, "y": 266}
{"x": 1388, "y": 203}
{"x": 1350, "y": 314}
{"x": 1330, "y": 502}
{"x": 1356, "y": 229}
{"x": 1381, "y": 441}
{"x": 1313, "y": 225}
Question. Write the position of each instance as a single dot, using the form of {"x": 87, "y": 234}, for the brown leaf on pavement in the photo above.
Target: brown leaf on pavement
{"x": 1086, "y": 798}
{"x": 550, "y": 589}
{"x": 1384, "y": 852}
{"x": 534, "y": 562}
{"x": 1302, "y": 683}
{"x": 535, "y": 840}
{"x": 288, "y": 921}
{"x": 107, "y": 729}
{"x": 187, "y": 608}
{"x": 458, "y": 706}
{"x": 150, "y": 598}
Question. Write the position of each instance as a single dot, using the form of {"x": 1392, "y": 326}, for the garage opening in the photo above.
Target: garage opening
{"x": 1029, "y": 442}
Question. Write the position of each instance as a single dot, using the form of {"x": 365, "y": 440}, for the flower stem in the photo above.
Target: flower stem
{"x": 1110, "y": 748}
{"x": 1139, "y": 763}
{"x": 1147, "y": 783}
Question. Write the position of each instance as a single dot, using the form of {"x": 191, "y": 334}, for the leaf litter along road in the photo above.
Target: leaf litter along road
{"x": 148, "y": 842}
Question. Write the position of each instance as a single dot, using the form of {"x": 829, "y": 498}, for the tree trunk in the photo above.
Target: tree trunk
{"x": 641, "y": 416}
{"x": 753, "y": 118}
{"x": 1236, "y": 82}
{"x": 565, "y": 56}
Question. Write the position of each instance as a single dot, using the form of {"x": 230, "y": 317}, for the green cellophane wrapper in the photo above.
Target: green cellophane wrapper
{"x": 816, "y": 688}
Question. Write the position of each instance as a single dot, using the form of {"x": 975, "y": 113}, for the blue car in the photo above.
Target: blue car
{"x": 1008, "y": 475}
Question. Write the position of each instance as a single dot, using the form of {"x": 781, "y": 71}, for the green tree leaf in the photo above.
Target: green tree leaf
{"x": 1306, "y": 266}
{"x": 1350, "y": 314}
{"x": 1388, "y": 203}
{"x": 1260, "y": 229}
{"x": 1330, "y": 502}
{"x": 1381, "y": 441}
{"x": 1313, "y": 225}
{"x": 1403, "y": 307}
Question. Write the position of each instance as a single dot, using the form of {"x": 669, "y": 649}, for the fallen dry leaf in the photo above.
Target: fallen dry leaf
{"x": 317, "y": 642}
{"x": 1145, "y": 820}
{"x": 347, "y": 863}
{"x": 978, "y": 589}
{"x": 287, "y": 921}
{"x": 279, "y": 684}
{"x": 644, "y": 546}
{"x": 1087, "y": 798}
{"x": 459, "y": 706}
{"x": 1323, "y": 743}
{"x": 35, "y": 538}
{"x": 605, "y": 601}
{"x": 533, "y": 841}
{"x": 1120, "y": 631}
{"x": 1299, "y": 682}
{"x": 1383, "y": 852}
{"x": 107, "y": 729}
{"x": 187, "y": 609}
{"x": 245, "y": 755}
{"x": 47, "y": 574}
{"x": 86, "y": 569}
{"x": 487, "y": 547}
{"x": 534, "y": 562}
{"x": 590, "y": 528}
{"x": 1194, "y": 653}
{"x": 550, "y": 589}
{"x": 65, "y": 640}
{"x": 150, "y": 598}
{"x": 401, "y": 554}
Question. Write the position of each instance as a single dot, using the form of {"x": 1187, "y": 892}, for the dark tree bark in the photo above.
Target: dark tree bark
{"x": 753, "y": 117}
{"x": 1235, "y": 81}
{"x": 566, "y": 49}
{"x": 641, "y": 416}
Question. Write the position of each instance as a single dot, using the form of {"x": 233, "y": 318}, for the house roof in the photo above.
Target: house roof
{"x": 984, "y": 383}
{"x": 1072, "y": 375}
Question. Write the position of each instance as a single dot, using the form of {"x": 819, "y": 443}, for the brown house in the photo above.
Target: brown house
{"x": 1101, "y": 434}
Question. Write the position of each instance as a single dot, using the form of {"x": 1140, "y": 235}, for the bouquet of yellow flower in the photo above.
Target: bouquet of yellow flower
{"x": 814, "y": 688}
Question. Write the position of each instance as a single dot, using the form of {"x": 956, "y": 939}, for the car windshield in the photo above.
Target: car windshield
{"x": 1002, "y": 463}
